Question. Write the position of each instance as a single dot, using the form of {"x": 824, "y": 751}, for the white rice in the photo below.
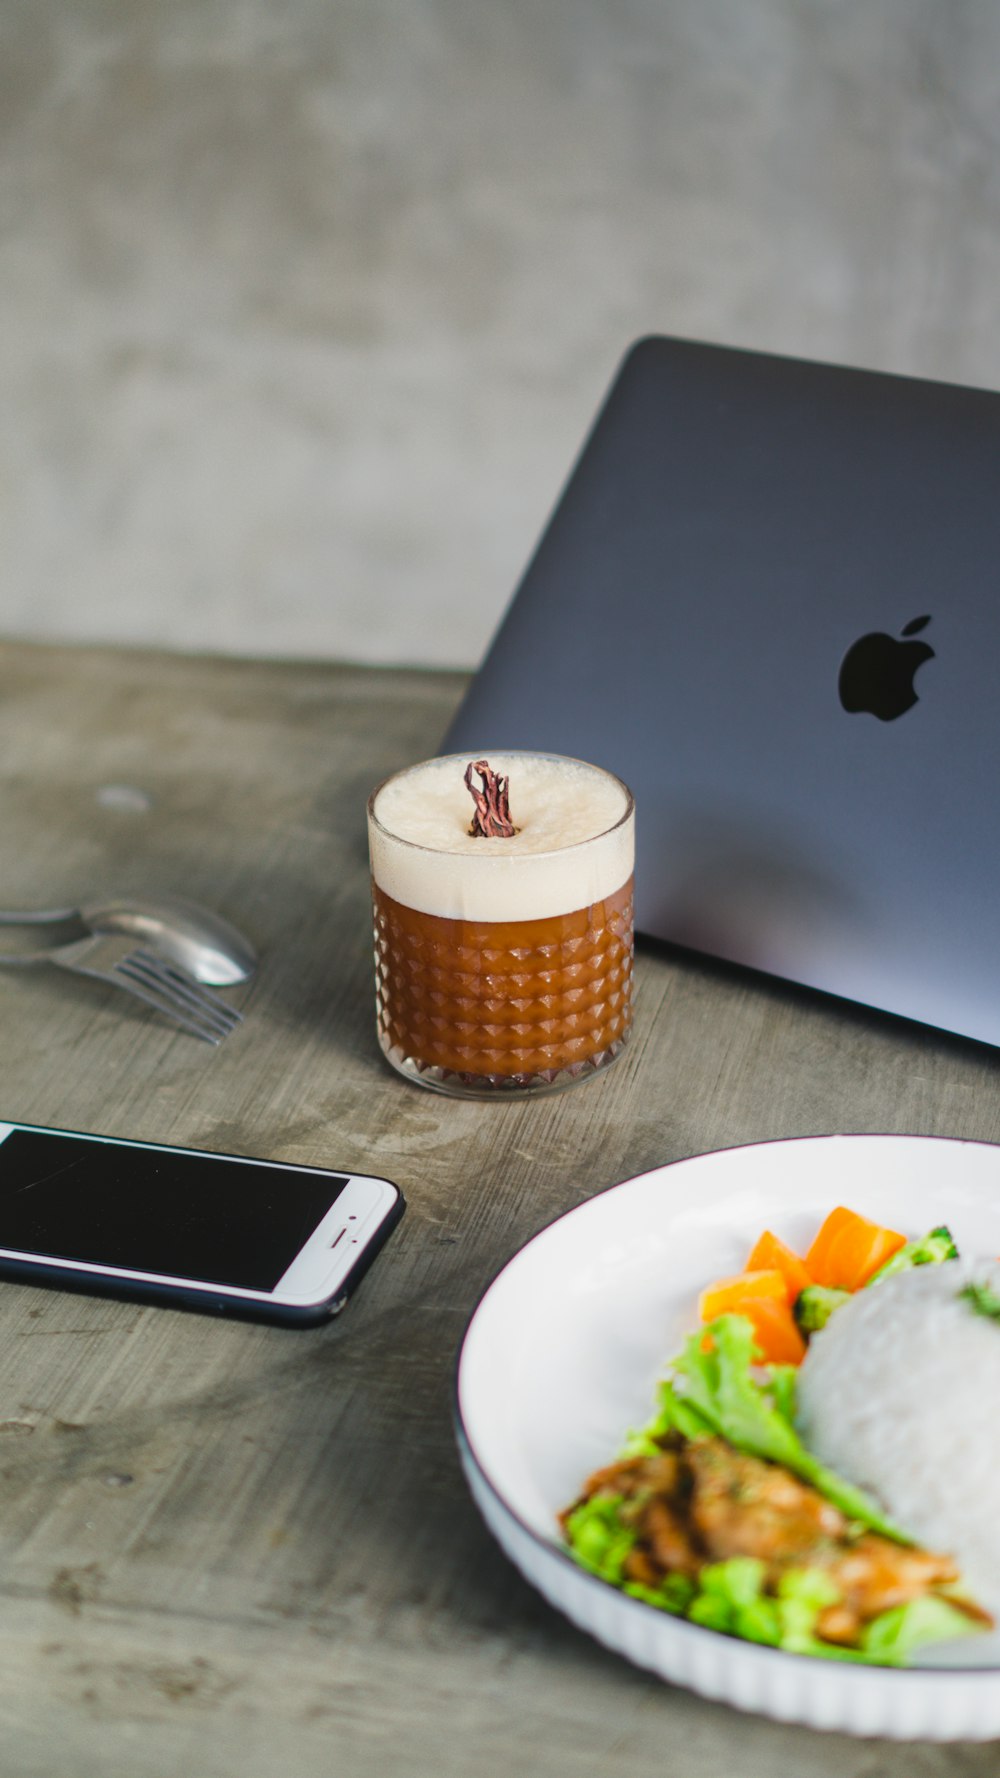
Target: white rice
{"x": 900, "y": 1393}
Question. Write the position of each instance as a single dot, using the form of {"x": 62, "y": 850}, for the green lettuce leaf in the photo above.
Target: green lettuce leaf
{"x": 715, "y": 1391}
{"x": 892, "y": 1637}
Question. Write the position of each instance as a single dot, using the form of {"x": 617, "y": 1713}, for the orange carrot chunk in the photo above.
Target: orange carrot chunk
{"x": 776, "y": 1336}
{"x": 849, "y": 1249}
{"x": 722, "y": 1297}
{"x": 770, "y": 1254}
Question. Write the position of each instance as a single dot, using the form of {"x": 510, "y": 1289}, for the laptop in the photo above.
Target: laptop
{"x": 769, "y": 599}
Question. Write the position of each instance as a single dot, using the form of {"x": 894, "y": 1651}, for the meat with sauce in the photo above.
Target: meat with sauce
{"x": 699, "y": 1501}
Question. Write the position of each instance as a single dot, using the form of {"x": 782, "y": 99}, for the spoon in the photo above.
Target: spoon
{"x": 199, "y": 941}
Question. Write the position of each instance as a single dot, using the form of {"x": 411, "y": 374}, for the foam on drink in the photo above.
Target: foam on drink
{"x": 573, "y": 846}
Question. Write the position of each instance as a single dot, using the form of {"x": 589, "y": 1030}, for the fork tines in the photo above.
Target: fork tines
{"x": 178, "y": 996}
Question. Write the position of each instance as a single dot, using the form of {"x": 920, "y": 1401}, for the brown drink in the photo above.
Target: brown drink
{"x": 503, "y": 964}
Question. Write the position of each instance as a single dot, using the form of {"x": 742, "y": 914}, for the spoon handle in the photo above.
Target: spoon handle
{"x": 38, "y": 916}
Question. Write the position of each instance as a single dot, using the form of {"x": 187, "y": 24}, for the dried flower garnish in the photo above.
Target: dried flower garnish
{"x": 491, "y": 820}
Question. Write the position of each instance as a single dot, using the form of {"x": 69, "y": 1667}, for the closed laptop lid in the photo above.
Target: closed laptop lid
{"x": 769, "y": 599}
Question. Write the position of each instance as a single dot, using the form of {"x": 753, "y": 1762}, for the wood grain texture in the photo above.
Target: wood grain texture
{"x": 233, "y": 1549}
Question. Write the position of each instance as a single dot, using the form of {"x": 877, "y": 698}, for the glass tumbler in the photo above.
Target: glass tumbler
{"x": 503, "y": 959}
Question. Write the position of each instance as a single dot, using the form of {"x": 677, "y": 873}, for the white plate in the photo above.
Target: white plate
{"x": 563, "y": 1354}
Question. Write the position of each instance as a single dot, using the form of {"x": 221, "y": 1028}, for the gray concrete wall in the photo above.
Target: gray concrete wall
{"x": 306, "y": 304}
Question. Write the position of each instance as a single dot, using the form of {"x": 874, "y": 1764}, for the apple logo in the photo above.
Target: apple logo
{"x": 877, "y": 672}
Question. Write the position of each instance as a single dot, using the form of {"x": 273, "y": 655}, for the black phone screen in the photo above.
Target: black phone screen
{"x": 202, "y": 1217}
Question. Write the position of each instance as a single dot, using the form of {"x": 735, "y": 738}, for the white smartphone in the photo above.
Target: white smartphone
{"x": 260, "y": 1239}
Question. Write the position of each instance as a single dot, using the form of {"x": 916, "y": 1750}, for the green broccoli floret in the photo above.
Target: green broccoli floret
{"x": 929, "y": 1250}
{"x": 983, "y": 1300}
{"x": 815, "y": 1305}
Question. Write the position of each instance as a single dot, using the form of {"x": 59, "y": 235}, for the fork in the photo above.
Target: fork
{"x": 162, "y": 985}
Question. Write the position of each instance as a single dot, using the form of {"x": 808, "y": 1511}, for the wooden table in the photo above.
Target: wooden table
{"x": 230, "y": 1549}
